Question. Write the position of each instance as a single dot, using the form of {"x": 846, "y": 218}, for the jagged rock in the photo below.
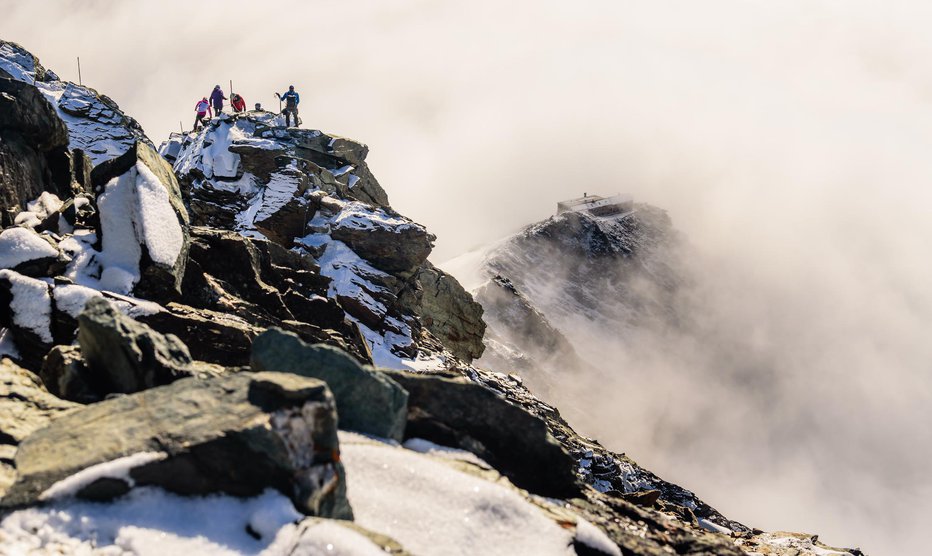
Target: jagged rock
{"x": 238, "y": 434}
{"x": 65, "y": 375}
{"x": 138, "y": 196}
{"x": 391, "y": 243}
{"x": 29, "y": 131}
{"x": 126, "y": 356}
{"x": 453, "y": 411}
{"x": 450, "y": 313}
{"x": 368, "y": 401}
{"x": 25, "y": 406}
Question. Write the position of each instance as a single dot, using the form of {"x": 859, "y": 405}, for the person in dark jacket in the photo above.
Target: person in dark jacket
{"x": 216, "y": 99}
{"x": 291, "y": 100}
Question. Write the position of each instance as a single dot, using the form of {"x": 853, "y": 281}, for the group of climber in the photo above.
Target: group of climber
{"x": 207, "y": 108}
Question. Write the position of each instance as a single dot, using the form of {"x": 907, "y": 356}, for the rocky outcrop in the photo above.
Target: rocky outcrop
{"x": 388, "y": 241}
{"x": 449, "y": 312}
{"x": 32, "y": 137}
{"x": 368, "y": 401}
{"x": 66, "y": 376}
{"x": 237, "y": 434}
{"x": 124, "y": 356}
{"x": 25, "y": 407}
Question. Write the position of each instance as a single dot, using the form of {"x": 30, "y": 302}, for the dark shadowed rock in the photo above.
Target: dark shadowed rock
{"x": 238, "y": 434}
{"x": 127, "y": 356}
{"x": 453, "y": 411}
{"x": 25, "y": 310}
{"x": 213, "y": 336}
{"x": 396, "y": 250}
{"x": 368, "y": 401}
{"x": 65, "y": 375}
{"x": 25, "y": 406}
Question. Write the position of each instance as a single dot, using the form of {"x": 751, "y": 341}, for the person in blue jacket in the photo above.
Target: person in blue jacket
{"x": 216, "y": 99}
{"x": 291, "y": 100}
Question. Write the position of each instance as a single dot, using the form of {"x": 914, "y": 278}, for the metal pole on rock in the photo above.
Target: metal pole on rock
{"x": 80, "y": 82}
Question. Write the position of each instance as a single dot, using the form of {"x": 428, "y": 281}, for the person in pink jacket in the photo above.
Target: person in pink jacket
{"x": 203, "y": 109}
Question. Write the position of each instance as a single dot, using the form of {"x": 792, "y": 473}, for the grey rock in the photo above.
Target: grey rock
{"x": 453, "y": 411}
{"x": 237, "y": 434}
{"x": 450, "y": 313}
{"x": 25, "y": 406}
{"x": 126, "y": 356}
{"x": 399, "y": 251}
{"x": 368, "y": 401}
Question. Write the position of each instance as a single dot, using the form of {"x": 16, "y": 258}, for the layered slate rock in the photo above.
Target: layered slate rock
{"x": 450, "y": 312}
{"x": 368, "y": 400}
{"x": 126, "y": 356}
{"x": 453, "y": 411}
{"x": 25, "y": 407}
{"x": 237, "y": 434}
{"x": 138, "y": 197}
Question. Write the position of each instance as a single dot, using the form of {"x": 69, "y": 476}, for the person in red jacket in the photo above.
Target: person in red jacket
{"x": 203, "y": 109}
{"x": 238, "y": 102}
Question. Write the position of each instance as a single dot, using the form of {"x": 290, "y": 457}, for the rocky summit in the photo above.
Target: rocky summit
{"x": 233, "y": 343}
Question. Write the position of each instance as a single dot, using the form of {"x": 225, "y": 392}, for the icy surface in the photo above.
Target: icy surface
{"x": 115, "y": 469}
{"x": 150, "y": 522}
{"x": 431, "y": 508}
{"x": 18, "y": 245}
{"x": 31, "y": 306}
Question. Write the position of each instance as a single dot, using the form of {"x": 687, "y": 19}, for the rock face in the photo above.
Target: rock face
{"x": 237, "y": 434}
{"x": 368, "y": 401}
{"x": 32, "y": 136}
{"x": 450, "y": 312}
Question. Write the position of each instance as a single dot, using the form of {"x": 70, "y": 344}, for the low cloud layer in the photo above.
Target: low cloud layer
{"x": 789, "y": 141}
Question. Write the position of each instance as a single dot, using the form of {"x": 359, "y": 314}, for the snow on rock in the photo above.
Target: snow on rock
{"x": 593, "y": 537}
{"x": 324, "y": 538}
{"x": 432, "y": 508}
{"x": 149, "y": 521}
{"x": 19, "y": 245}
{"x": 31, "y": 305}
{"x": 135, "y": 213}
{"x": 115, "y": 469}
{"x": 95, "y": 123}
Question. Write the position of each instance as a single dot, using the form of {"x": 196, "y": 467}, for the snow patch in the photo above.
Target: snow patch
{"x": 31, "y": 305}
{"x": 18, "y": 245}
{"x": 593, "y": 537}
{"x": 432, "y": 508}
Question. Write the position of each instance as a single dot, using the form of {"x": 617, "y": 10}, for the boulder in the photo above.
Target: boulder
{"x": 455, "y": 412}
{"x": 65, "y": 375}
{"x": 126, "y": 356}
{"x": 26, "y": 310}
{"x": 25, "y": 406}
{"x": 29, "y": 253}
{"x": 237, "y": 434}
{"x": 390, "y": 242}
{"x": 367, "y": 400}
{"x": 143, "y": 221}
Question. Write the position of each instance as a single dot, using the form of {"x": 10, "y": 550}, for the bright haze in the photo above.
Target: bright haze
{"x": 790, "y": 142}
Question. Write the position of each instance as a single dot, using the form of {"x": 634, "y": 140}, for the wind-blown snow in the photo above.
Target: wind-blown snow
{"x": 18, "y": 245}
{"x": 115, "y": 469}
{"x": 31, "y": 305}
{"x": 432, "y": 508}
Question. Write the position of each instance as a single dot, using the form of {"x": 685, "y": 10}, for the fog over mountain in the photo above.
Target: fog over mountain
{"x": 788, "y": 142}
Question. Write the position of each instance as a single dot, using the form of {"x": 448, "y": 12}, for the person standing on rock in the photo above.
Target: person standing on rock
{"x": 216, "y": 99}
{"x": 202, "y": 108}
{"x": 237, "y": 102}
{"x": 291, "y": 99}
